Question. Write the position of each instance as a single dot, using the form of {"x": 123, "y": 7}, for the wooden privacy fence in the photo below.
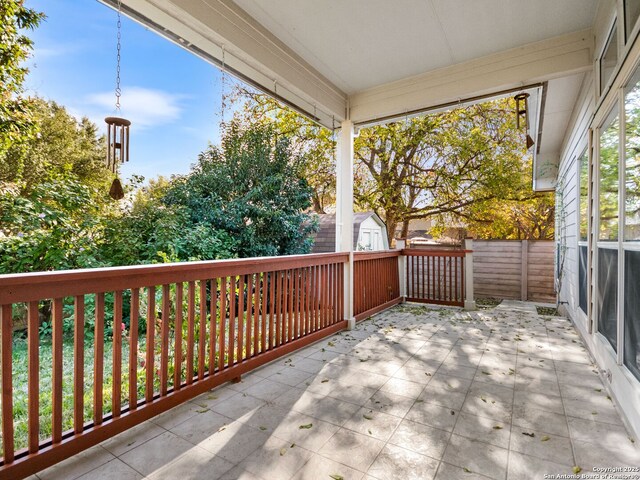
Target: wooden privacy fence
{"x": 435, "y": 276}
{"x": 201, "y": 324}
{"x": 376, "y": 282}
{"x": 514, "y": 269}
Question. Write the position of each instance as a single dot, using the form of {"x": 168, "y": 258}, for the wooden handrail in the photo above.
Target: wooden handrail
{"x": 26, "y": 287}
{"x": 359, "y": 256}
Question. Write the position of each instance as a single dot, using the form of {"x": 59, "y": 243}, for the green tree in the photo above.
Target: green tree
{"x": 312, "y": 143}
{"x": 16, "y": 124}
{"x": 63, "y": 146}
{"x": 439, "y": 165}
{"x": 252, "y": 188}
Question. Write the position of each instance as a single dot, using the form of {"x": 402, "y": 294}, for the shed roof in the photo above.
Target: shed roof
{"x": 325, "y": 240}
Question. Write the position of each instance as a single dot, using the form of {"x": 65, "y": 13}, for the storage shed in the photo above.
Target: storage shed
{"x": 369, "y": 233}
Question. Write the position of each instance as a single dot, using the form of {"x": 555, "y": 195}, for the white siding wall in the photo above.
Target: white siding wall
{"x": 589, "y": 112}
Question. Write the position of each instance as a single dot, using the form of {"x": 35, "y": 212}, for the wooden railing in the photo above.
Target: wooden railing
{"x": 376, "y": 282}
{"x": 435, "y": 276}
{"x": 173, "y": 332}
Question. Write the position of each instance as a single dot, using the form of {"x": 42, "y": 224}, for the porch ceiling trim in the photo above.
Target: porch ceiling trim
{"x": 252, "y": 53}
{"x": 513, "y": 68}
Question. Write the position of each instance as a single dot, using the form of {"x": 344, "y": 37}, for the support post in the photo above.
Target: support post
{"x": 344, "y": 212}
{"x": 402, "y": 268}
{"x": 469, "y": 299}
{"x": 524, "y": 270}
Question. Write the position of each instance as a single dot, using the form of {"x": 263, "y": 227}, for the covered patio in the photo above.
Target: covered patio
{"x": 414, "y": 392}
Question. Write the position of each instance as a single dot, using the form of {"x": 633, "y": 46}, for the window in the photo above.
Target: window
{"x": 608, "y": 294}
{"x": 632, "y": 160}
{"x": 632, "y": 312}
{"x": 582, "y": 272}
{"x": 609, "y": 58}
{"x": 609, "y": 185}
{"x": 631, "y": 13}
{"x": 584, "y": 196}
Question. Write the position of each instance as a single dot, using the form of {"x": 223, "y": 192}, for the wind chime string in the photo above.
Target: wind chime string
{"x": 117, "y": 128}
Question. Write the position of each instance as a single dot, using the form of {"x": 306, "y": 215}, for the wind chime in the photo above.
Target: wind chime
{"x": 522, "y": 115}
{"x": 117, "y": 131}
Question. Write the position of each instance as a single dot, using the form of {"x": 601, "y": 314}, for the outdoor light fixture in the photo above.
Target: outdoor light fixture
{"x": 522, "y": 115}
{"x": 117, "y": 131}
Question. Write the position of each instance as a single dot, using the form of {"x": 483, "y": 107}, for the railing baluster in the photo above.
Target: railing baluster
{"x": 241, "y": 320}
{"x": 57, "y": 363}
{"x": 290, "y": 316}
{"x": 134, "y": 315}
{"x": 202, "y": 335}
{"x": 33, "y": 398}
{"x": 256, "y": 314}
{"x": 177, "y": 341}
{"x": 232, "y": 319}
{"x": 116, "y": 392}
{"x": 248, "y": 332}
{"x": 296, "y": 303}
{"x": 213, "y": 320}
{"x": 278, "y": 313}
{"x": 191, "y": 327}
{"x": 223, "y": 321}
{"x": 164, "y": 339}
{"x": 7, "y": 383}
{"x": 151, "y": 325}
{"x": 272, "y": 308}
{"x": 98, "y": 359}
{"x": 78, "y": 365}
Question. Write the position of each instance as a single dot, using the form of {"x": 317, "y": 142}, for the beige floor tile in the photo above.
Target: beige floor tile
{"x": 321, "y": 468}
{"x": 113, "y": 470}
{"x": 374, "y": 423}
{"x": 420, "y": 438}
{"x": 195, "y": 464}
{"x": 396, "y": 463}
{"x": 77, "y": 465}
{"x": 156, "y": 453}
{"x": 479, "y": 457}
{"x": 352, "y": 449}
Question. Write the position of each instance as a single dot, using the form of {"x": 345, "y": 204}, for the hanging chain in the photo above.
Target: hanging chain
{"x": 118, "y": 90}
{"x": 223, "y": 82}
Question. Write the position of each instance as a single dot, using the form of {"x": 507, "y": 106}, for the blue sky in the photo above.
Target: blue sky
{"x": 171, "y": 96}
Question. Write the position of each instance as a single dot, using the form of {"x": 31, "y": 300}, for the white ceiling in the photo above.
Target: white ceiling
{"x": 358, "y": 44}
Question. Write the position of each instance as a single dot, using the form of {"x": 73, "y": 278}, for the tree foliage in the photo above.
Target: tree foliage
{"x": 16, "y": 124}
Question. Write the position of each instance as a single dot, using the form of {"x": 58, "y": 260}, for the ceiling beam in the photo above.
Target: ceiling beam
{"x": 251, "y": 52}
{"x": 536, "y": 62}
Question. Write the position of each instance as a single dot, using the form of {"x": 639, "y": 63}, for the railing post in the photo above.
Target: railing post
{"x": 402, "y": 268}
{"x": 524, "y": 270}
{"x": 469, "y": 300}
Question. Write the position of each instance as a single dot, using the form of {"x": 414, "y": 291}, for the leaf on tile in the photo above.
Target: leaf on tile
{"x": 370, "y": 432}
{"x": 368, "y": 417}
{"x": 292, "y": 445}
{"x": 577, "y": 469}
{"x": 529, "y": 434}
{"x": 497, "y": 427}
{"x": 331, "y": 344}
{"x": 483, "y": 399}
{"x": 262, "y": 427}
{"x": 452, "y": 412}
{"x": 202, "y": 410}
{"x": 335, "y": 476}
{"x": 212, "y": 397}
{"x": 283, "y": 451}
{"x": 306, "y": 426}
{"x": 546, "y": 438}
{"x": 484, "y": 372}
{"x": 325, "y": 380}
{"x": 222, "y": 428}
{"x": 466, "y": 469}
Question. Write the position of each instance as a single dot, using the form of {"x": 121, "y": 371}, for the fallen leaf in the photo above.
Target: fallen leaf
{"x": 283, "y": 451}
{"x": 466, "y": 469}
{"x": 368, "y": 417}
{"x": 335, "y": 476}
{"x": 452, "y": 412}
{"x": 262, "y": 427}
{"x": 545, "y": 438}
{"x": 370, "y": 432}
{"x": 325, "y": 380}
{"x": 577, "y": 469}
{"x": 529, "y": 434}
{"x": 202, "y": 411}
{"x": 222, "y": 428}
{"x": 212, "y": 397}
{"x": 497, "y": 427}
{"x": 331, "y": 344}
{"x": 306, "y": 426}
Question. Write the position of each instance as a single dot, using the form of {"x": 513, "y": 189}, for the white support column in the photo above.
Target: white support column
{"x": 469, "y": 299}
{"x": 344, "y": 211}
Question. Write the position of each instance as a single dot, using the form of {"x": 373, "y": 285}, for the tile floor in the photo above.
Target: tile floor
{"x": 413, "y": 393}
